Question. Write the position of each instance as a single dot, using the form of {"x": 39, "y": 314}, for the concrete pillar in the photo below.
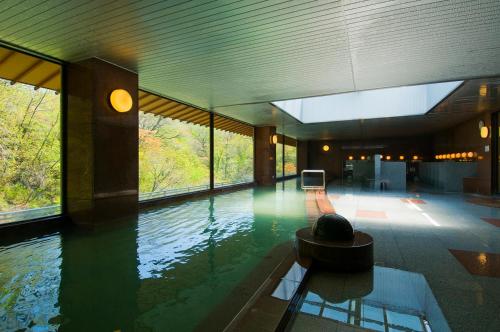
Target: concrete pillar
{"x": 102, "y": 144}
{"x": 265, "y": 156}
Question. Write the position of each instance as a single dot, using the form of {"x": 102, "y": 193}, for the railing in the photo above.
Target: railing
{"x": 172, "y": 192}
{"x": 186, "y": 190}
{"x": 10, "y": 216}
{"x": 228, "y": 184}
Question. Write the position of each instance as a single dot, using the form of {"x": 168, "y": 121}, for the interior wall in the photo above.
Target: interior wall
{"x": 464, "y": 138}
{"x": 332, "y": 160}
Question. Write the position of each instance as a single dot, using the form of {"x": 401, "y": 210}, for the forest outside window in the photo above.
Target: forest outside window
{"x": 30, "y": 137}
{"x": 233, "y": 152}
{"x": 174, "y": 148}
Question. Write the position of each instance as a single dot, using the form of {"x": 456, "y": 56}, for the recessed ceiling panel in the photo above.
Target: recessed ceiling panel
{"x": 370, "y": 104}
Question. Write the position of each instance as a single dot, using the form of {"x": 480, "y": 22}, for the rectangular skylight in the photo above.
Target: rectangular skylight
{"x": 370, "y": 104}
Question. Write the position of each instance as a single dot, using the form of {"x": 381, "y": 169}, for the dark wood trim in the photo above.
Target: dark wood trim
{"x": 494, "y": 153}
{"x": 16, "y": 231}
{"x": 64, "y": 140}
{"x": 211, "y": 147}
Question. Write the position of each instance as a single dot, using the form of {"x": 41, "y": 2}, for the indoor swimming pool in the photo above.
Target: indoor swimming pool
{"x": 175, "y": 268}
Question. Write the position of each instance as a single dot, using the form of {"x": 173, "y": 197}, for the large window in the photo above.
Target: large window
{"x": 233, "y": 152}
{"x": 290, "y": 160}
{"x": 173, "y": 150}
{"x": 30, "y": 137}
{"x": 279, "y": 160}
{"x": 286, "y": 159}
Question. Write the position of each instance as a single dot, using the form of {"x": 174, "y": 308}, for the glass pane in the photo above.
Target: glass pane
{"x": 290, "y": 160}
{"x": 335, "y": 315}
{"x": 233, "y": 152}
{"x": 310, "y": 309}
{"x": 372, "y": 313}
{"x": 173, "y": 156}
{"x": 30, "y": 152}
{"x": 279, "y": 160}
{"x": 404, "y": 321}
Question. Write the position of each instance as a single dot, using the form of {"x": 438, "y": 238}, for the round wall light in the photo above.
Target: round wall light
{"x": 363, "y": 157}
{"x": 273, "y": 139}
{"x": 121, "y": 100}
{"x": 388, "y": 158}
{"x": 415, "y": 157}
{"x": 326, "y": 148}
{"x": 470, "y": 154}
{"x": 351, "y": 157}
{"x": 485, "y": 132}
{"x": 401, "y": 157}
{"x": 464, "y": 154}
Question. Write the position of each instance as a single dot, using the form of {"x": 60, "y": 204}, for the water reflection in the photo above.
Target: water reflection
{"x": 30, "y": 289}
{"x": 166, "y": 270}
{"x": 384, "y": 299}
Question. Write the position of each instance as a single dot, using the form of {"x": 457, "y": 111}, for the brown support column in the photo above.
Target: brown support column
{"x": 102, "y": 144}
{"x": 301, "y": 156}
{"x": 265, "y": 156}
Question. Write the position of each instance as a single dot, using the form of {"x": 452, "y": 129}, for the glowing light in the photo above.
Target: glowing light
{"x": 274, "y": 139}
{"x": 401, "y": 157}
{"x": 482, "y": 258}
{"x": 485, "y": 132}
{"x": 388, "y": 157}
{"x": 436, "y": 157}
{"x": 452, "y": 156}
{"x": 363, "y": 157}
{"x": 483, "y": 90}
{"x": 121, "y": 100}
{"x": 326, "y": 148}
{"x": 464, "y": 154}
{"x": 415, "y": 157}
{"x": 448, "y": 156}
{"x": 470, "y": 154}
{"x": 351, "y": 157}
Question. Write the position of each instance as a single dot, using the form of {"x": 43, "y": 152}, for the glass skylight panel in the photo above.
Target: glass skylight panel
{"x": 370, "y": 104}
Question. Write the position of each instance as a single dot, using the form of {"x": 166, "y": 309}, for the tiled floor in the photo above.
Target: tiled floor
{"x": 417, "y": 237}
{"x": 492, "y": 221}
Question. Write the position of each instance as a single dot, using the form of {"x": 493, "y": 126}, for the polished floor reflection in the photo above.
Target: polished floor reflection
{"x": 383, "y": 299}
{"x": 423, "y": 233}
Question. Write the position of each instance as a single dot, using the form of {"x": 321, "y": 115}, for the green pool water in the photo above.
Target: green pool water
{"x": 165, "y": 271}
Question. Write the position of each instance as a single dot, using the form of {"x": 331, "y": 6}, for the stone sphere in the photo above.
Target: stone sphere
{"x": 333, "y": 227}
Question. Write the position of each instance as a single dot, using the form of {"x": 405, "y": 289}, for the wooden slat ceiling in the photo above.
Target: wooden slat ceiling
{"x": 219, "y": 53}
{"x": 161, "y": 106}
{"x": 18, "y": 67}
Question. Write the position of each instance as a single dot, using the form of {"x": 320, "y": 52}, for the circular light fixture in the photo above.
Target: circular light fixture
{"x": 452, "y": 156}
{"x": 470, "y": 154}
{"x": 121, "y": 100}
{"x": 388, "y": 158}
{"x": 273, "y": 139}
{"x": 436, "y": 157}
{"x": 483, "y": 90}
{"x": 401, "y": 157}
{"x": 464, "y": 154}
{"x": 485, "y": 132}
{"x": 363, "y": 157}
{"x": 326, "y": 148}
{"x": 351, "y": 157}
{"x": 415, "y": 157}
